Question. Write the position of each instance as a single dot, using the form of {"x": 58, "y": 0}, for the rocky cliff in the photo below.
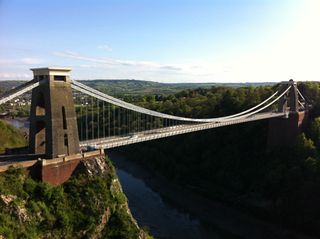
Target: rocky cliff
{"x": 89, "y": 205}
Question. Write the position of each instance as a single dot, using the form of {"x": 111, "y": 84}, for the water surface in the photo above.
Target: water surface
{"x": 163, "y": 218}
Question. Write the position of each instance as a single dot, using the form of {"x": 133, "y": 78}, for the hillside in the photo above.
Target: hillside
{"x": 7, "y": 85}
{"x": 138, "y": 87}
{"x": 89, "y": 205}
{"x": 232, "y": 164}
{"x": 10, "y": 137}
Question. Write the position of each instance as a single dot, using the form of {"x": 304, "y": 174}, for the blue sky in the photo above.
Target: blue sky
{"x": 165, "y": 41}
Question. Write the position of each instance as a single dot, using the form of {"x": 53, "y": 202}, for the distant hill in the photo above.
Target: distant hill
{"x": 7, "y": 85}
{"x": 139, "y": 87}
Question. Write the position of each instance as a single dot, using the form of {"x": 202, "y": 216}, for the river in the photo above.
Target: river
{"x": 151, "y": 210}
{"x": 169, "y": 211}
{"x": 172, "y": 212}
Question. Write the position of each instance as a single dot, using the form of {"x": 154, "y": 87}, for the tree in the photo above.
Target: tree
{"x": 314, "y": 131}
{"x": 305, "y": 147}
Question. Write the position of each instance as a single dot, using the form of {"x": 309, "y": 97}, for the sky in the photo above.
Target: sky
{"x": 162, "y": 40}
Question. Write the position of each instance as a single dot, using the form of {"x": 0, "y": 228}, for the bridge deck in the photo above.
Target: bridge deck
{"x": 113, "y": 142}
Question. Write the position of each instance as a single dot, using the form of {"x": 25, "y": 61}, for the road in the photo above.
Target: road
{"x": 117, "y": 141}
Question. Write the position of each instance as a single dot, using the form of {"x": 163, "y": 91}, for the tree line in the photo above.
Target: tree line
{"x": 233, "y": 164}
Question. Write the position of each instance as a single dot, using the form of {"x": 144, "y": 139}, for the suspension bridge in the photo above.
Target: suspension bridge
{"x": 68, "y": 118}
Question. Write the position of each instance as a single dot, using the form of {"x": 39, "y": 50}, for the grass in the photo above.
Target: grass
{"x": 10, "y": 137}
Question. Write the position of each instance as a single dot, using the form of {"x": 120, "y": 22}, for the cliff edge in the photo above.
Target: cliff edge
{"x": 90, "y": 204}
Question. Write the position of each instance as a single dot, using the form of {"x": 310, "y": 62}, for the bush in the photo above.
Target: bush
{"x": 71, "y": 210}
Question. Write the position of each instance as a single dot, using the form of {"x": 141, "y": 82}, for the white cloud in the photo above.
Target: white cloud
{"x": 20, "y": 61}
{"x": 105, "y": 47}
{"x": 110, "y": 62}
{"x": 184, "y": 71}
{"x": 31, "y": 61}
{"x": 18, "y": 68}
{"x": 14, "y": 76}
{"x": 293, "y": 53}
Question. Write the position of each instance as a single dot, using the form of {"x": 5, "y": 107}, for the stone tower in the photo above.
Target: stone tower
{"x": 289, "y": 102}
{"x": 284, "y": 131}
{"x": 53, "y": 123}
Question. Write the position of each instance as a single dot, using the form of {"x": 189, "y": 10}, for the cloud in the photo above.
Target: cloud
{"x": 111, "y": 62}
{"x": 20, "y": 61}
{"x": 105, "y": 47}
{"x": 247, "y": 67}
{"x": 18, "y": 68}
{"x": 173, "y": 68}
{"x": 31, "y": 61}
{"x": 14, "y": 76}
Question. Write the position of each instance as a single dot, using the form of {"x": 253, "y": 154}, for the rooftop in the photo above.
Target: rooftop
{"x": 62, "y": 71}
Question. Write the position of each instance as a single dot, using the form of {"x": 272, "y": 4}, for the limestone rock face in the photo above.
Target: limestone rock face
{"x": 18, "y": 209}
{"x": 91, "y": 204}
{"x": 93, "y": 166}
{"x": 8, "y": 198}
{"x": 100, "y": 166}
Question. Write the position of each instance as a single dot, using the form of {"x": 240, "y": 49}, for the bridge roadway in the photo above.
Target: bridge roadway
{"x": 113, "y": 142}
